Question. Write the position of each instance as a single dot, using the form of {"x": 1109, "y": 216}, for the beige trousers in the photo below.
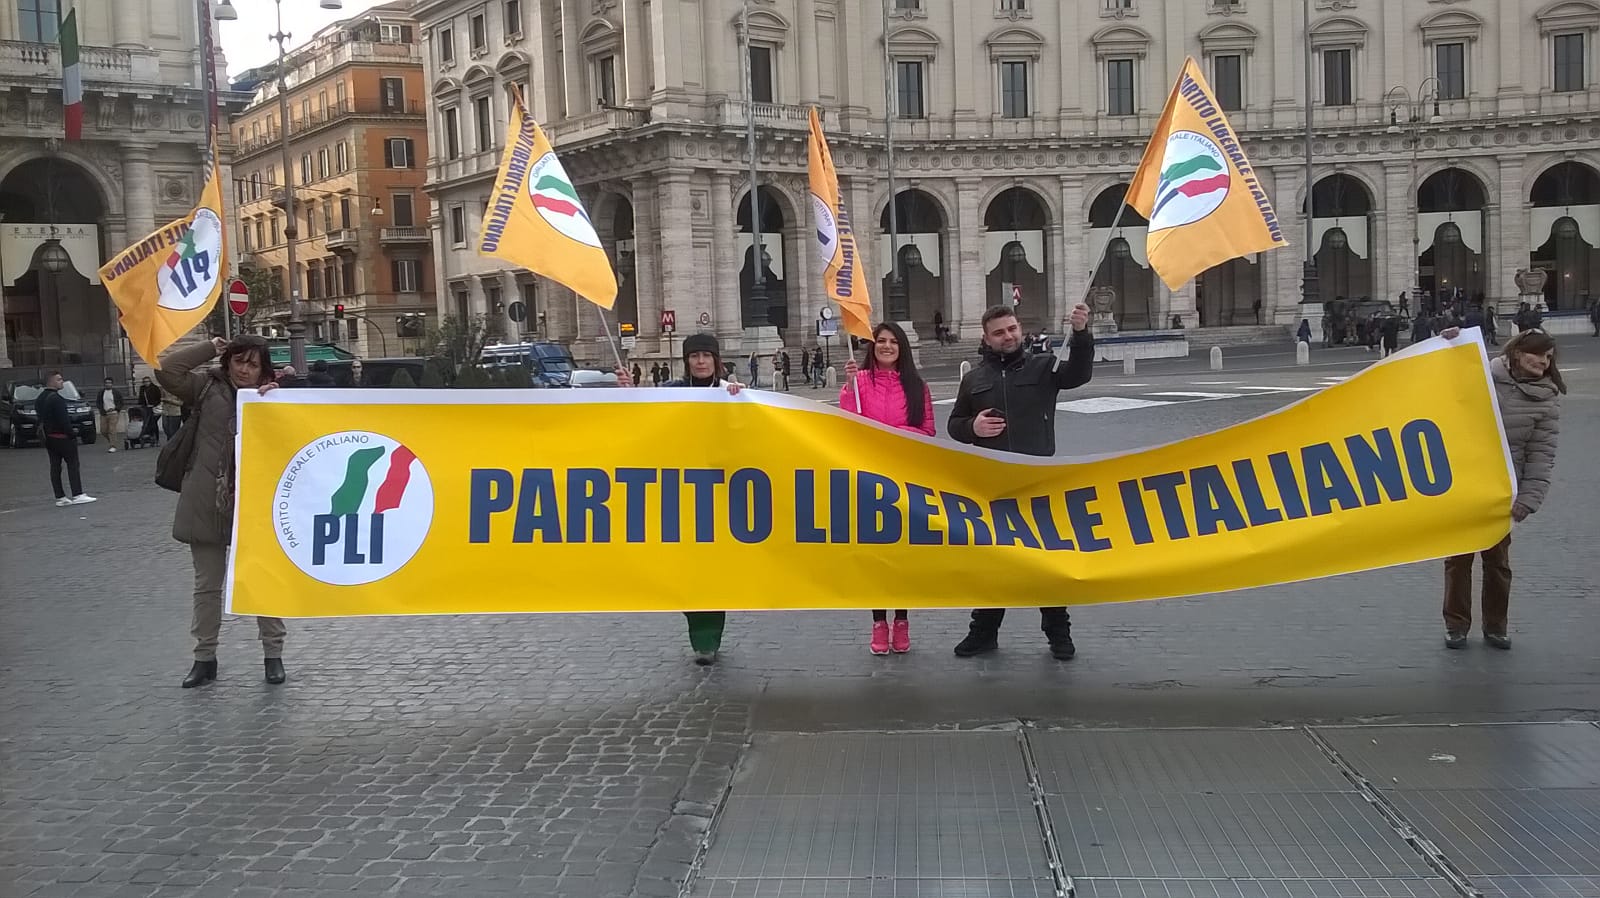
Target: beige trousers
{"x": 210, "y": 568}
{"x": 111, "y": 426}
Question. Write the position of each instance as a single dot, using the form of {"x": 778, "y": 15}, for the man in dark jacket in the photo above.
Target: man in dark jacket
{"x": 60, "y": 440}
{"x": 1008, "y": 403}
{"x": 702, "y": 365}
{"x": 320, "y": 376}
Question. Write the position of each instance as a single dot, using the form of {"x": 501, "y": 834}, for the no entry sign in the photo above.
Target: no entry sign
{"x": 238, "y": 297}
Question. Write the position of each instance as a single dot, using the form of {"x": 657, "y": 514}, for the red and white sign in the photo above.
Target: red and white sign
{"x": 669, "y": 321}
{"x": 238, "y": 297}
{"x": 1016, "y": 294}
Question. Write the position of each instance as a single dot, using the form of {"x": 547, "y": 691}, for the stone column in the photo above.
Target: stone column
{"x": 968, "y": 261}
{"x": 138, "y": 189}
{"x": 1508, "y": 241}
{"x": 1395, "y": 226}
{"x": 805, "y": 45}
{"x": 676, "y": 261}
{"x": 725, "y": 313}
{"x": 1178, "y": 302}
{"x": 1291, "y": 180}
{"x": 1061, "y": 299}
{"x": 647, "y": 256}
{"x": 1076, "y": 263}
{"x": 129, "y": 27}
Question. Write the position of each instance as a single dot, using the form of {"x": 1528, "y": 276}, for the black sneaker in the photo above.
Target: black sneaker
{"x": 1062, "y": 649}
{"x": 976, "y": 644}
{"x": 1498, "y": 640}
{"x": 1455, "y": 640}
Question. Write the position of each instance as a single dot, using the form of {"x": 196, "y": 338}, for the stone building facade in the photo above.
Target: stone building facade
{"x": 1465, "y": 128}
{"x": 357, "y": 145}
{"x": 137, "y": 165}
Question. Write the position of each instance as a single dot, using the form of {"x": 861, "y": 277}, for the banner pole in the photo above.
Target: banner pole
{"x": 1104, "y": 250}
{"x": 605, "y": 328}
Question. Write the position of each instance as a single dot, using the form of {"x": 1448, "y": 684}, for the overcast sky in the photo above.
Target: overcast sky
{"x": 245, "y": 42}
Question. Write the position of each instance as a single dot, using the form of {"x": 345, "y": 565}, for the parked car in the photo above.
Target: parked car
{"x": 549, "y": 364}
{"x": 585, "y": 378}
{"x": 19, "y": 423}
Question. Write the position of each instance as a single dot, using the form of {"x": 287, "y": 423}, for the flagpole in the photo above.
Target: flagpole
{"x": 605, "y": 328}
{"x": 1116, "y": 222}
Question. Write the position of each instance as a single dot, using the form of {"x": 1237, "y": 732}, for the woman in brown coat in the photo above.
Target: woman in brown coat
{"x": 204, "y": 518}
{"x": 1529, "y": 388}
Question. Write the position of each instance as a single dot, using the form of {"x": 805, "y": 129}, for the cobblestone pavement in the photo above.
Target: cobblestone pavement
{"x": 583, "y": 755}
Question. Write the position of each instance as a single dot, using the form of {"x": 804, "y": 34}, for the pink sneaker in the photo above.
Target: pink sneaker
{"x": 902, "y": 636}
{"x": 880, "y": 637}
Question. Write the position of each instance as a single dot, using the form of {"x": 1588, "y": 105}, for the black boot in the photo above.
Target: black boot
{"x": 1061, "y": 647}
{"x": 275, "y": 673}
{"x": 202, "y": 672}
{"x": 978, "y": 642}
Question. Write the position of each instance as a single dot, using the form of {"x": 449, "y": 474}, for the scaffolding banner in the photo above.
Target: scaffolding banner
{"x": 393, "y": 502}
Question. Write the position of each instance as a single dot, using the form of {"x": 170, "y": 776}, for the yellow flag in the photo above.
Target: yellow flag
{"x": 836, "y": 239}
{"x": 536, "y": 220}
{"x": 1201, "y": 195}
{"x": 168, "y": 282}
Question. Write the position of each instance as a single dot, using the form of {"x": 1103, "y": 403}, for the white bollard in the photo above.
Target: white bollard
{"x": 1128, "y": 365}
{"x": 832, "y": 377}
{"x": 966, "y": 368}
{"x": 1302, "y": 353}
{"x": 1216, "y": 358}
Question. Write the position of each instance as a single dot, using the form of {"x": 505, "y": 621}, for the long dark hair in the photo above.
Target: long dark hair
{"x": 1535, "y": 342}
{"x": 905, "y": 366}
{"x": 248, "y": 344}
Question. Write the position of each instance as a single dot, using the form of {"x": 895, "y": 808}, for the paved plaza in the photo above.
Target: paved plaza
{"x": 1313, "y": 740}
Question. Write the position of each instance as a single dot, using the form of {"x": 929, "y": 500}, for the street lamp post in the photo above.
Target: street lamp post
{"x": 758, "y": 285}
{"x": 1414, "y": 103}
{"x": 297, "y": 318}
{"x": 1309, "y": 288}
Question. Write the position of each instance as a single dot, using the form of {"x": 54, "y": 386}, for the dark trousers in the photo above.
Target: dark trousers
{"x": 1053, "y": 621}
{"x": 1496, "y": 589}
{"x": 883, "y": 615}
{"x": 170, "y": 424}
{"x": 149, "y": 430}
{"x": 64, "y": 449}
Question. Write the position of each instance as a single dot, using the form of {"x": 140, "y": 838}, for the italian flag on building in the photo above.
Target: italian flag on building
{"x": 71, "y": 77}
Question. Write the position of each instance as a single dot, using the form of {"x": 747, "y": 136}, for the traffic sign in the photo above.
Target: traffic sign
{"x": 629, "y": 342}
{"x": 705, "y": 319}
{"x": 669, "y": 321}
{"x": 1016, "y": 294}
{"x": 238, "y": 297}
{"x": 517, "y": 312}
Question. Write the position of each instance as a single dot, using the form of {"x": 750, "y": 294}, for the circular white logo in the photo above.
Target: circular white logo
{"x": 189, "y": 275}
{"x": 352, "y": 507}
{"x": 1194, "y": 181}
{"x": 557, "y": 201}
{"x": 827, "y": 229}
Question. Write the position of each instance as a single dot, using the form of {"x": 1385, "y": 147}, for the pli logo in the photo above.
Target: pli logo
{"x": 352, "y": 507}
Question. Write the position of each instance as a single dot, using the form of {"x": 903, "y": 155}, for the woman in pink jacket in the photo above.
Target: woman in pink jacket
{"x": 893, "y": 393}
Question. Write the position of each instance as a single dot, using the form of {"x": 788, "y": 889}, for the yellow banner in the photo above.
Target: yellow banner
{"x": 536, "y": 220}
{"x": 168, "y": 282}
{"x": 842, "y": 274}
{"x": 372, "y": 502}
{"x": 1200, "y": 194}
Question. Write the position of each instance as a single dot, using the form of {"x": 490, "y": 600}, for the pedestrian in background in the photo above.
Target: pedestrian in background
{"x": 172, "y": 414}
{"x": 204, "y": 517}
{"x": 149, "y": 401}
{"x": 892, "y": 392}
{"x": 1529, "y": 388}
{"x": 755, "y": 370}
{"x": 108, "y": 405}
{"x": 1303, "y": 335}
{"x": 638, "y": 373}
{"x": 819, "y": 371}
{"x": 60, "y": 441}
{"x": 805, "y": 365}
{"x": 1008, "y": 404}
{"x": 783, "y": 362}
{"x": 702, "y": 366}
{"x": 319, "y": 376}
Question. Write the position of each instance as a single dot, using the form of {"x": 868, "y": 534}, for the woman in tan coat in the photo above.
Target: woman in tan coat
{"x": 1529, "y": 388}
{"x": 204, "y": 518}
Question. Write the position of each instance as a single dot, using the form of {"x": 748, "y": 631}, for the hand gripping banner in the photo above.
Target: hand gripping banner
{"x": 381, "y": 502}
